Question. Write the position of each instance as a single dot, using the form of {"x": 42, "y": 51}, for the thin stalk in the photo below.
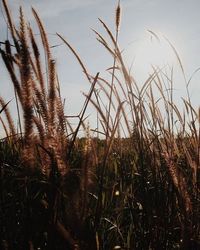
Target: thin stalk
{"x": 83, "y": 113}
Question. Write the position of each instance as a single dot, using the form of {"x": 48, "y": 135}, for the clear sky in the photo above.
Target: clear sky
{"x": 178, "y": 20}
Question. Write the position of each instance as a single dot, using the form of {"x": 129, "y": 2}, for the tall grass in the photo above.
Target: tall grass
{"x": 136, "y": 188}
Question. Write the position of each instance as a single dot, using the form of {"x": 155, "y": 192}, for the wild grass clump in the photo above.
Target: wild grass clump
{"x": 135, "y": 188}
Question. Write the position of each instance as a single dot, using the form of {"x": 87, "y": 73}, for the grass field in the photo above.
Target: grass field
{"x": 135, "y": 185}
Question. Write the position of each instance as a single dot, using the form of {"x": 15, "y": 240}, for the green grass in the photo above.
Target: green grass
{"x": 135, "y": 188}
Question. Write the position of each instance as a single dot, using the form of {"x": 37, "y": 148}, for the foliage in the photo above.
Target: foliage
{"x": 136, "y": 188}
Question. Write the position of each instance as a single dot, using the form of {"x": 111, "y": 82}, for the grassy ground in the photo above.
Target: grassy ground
{"x": 135, "y": 188}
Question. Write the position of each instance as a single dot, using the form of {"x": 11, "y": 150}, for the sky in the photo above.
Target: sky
{"x": 176, "y": 20}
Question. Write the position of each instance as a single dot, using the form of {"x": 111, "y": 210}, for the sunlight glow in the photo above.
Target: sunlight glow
{"x": 152, "y": 51}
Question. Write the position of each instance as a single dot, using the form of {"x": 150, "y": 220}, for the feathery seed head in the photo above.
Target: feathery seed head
{"x": 118, "y": 15}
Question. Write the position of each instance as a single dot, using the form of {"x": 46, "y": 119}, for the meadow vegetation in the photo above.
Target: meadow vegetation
{"x": 135, "y": 185}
